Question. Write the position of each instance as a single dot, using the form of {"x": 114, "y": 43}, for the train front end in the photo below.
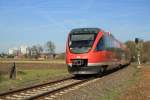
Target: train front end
{"x": 80, "y": 55}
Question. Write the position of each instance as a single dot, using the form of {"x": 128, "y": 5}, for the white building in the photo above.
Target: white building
{"x": 24, "y": 49}
{"x": 13, "y": 51}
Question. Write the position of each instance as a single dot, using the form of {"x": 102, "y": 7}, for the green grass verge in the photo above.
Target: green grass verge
{"x": 29, "y": 77}
{"x": 114, "y": 93}
{"x": 55, "y": 61}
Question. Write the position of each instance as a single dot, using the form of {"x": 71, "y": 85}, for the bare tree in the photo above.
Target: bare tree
{"x": 51, "y": 48}
{"x": 36, "y": 50}
{"x": 39, "y": 49}
{"x": 131, "y": 46}
{"x": 146, "y": 51}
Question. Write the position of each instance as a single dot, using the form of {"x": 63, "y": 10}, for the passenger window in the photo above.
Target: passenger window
{"x": 100, "y": 45}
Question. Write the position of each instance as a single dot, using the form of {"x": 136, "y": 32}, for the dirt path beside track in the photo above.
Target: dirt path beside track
{"x": 141, "y": 90}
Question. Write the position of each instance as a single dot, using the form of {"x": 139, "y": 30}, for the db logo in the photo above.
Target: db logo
{"x": 78, "y": 57}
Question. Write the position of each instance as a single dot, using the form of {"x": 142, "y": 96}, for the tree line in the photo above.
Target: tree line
{"x": 144, "y": 50}
{"x": 35, "y": 51}
{"x": 50, "y": 47}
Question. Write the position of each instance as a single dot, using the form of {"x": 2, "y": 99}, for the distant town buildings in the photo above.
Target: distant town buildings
{"x": 24, "y": 49}
{"x": 19, "y": 51}
{"x": 13, "y": 51}
{"x": 35, "y": 52}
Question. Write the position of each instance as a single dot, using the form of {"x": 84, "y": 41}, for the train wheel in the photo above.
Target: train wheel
{"x": 101, "y": 71}
{"x": 104, "y": 69}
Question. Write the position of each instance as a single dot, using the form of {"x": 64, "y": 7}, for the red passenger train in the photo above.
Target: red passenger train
{"x": 92, "y": 50}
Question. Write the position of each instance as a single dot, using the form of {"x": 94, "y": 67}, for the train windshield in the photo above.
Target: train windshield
{"x": 81, "y": 43}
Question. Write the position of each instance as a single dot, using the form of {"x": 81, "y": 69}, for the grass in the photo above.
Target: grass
{"x": 29, "y": 77}
{"x": 59, "y": 61}
{"x": 114, "y": 93}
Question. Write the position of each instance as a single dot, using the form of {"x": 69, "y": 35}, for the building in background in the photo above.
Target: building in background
{"x": 24, "y": 49}
{"x": 13, "y": 51}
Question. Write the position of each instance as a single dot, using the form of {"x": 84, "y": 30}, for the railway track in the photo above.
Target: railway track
{"x": 40, "y": 91}
{"x": 48, "y": 90}
{"x": 24, "y": 93}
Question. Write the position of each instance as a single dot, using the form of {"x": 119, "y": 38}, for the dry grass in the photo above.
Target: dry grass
{"x": 52, "y": 61}
{"x": 140, "y": 90}
{"x": 30, "y": 72}
{"x": 29, "y": 77}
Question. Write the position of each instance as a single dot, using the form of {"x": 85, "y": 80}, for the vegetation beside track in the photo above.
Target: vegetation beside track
{"x": 114, "y": 92}
{"x": 30, "y": 73}
{"x": 55, "y": 61}
{"x": 108, "y": 87}
{"x": 140, "y": 90}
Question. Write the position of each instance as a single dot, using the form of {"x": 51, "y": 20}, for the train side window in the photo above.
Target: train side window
{"x": 107, "y": 41}
{"x": 100, "y": 45}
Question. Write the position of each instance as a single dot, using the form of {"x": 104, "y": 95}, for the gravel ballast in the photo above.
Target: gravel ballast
{"x": 107, "y": 87}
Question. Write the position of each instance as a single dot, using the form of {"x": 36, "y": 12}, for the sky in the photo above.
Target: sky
{"x": 31, "y": 22}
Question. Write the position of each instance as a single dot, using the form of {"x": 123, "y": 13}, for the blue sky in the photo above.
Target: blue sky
{"x": 32, "y": 22}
